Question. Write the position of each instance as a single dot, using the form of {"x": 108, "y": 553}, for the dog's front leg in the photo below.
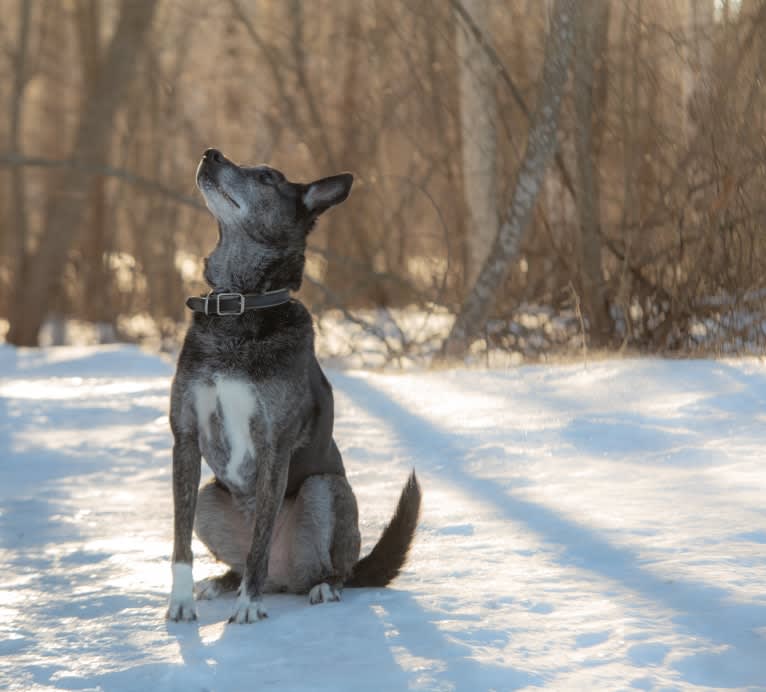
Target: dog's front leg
{"x": 186, "y": 474}
{"x": 271, "y": 481}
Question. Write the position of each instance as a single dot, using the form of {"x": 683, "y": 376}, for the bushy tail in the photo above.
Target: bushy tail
{"x": 390, "y": 552}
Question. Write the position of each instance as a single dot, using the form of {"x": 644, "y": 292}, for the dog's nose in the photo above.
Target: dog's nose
{"x": 213, "y": 155}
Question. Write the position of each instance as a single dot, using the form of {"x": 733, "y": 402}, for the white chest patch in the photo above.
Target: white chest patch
{"x": 205, "y": 401}
{"x": 237, "y": 407}
{"x": 236, "y": 401}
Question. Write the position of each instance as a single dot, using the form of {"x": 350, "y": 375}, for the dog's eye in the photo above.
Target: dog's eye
{"x": 268, "y": 177}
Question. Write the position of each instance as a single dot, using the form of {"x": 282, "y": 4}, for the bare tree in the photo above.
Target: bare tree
{"x": 541, "y": 146}
{"x": 17, "y": 241}
{"x": 589, "y": 103}
{"x": 33, "y": 292}
{"x": 94, "y": 234}
{"x": 478, "y": 115}
{"x": 653, "y": 211}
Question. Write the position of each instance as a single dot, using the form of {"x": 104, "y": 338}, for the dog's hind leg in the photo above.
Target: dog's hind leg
{"x": 226, "y": 533}
{"x": 346, "y": 541}
{"x": 325, "y": 542}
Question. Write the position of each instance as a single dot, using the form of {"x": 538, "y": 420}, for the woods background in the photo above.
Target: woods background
{"x": 647, "y": 231}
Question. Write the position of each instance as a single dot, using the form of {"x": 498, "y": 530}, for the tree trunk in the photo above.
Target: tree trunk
{"x": 91, "y": 147}
{"x": 589, "y": 75}
{"x": 17, "y": 245}
{"x": 478, "y": 113}
{"x": 346, "y": 239}
{"x": 541, "y": 146}
{"x": 94, "y": 245}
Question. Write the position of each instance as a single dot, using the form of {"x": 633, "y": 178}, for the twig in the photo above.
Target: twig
{"x": 578, "y": 313}
{"x": 10, "y": 159}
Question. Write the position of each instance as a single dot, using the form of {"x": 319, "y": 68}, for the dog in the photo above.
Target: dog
{"x": 250, "y": 397}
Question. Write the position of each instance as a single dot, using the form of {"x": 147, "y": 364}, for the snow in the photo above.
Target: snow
{"x": 592, "y": 526}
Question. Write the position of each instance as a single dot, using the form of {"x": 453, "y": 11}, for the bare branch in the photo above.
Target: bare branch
{"x": 10, "y": 160}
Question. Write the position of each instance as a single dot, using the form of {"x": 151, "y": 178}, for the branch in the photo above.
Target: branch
{"x": 11, "y": 160}
{"x": 498, "y": 64}
{"x": 494, "y": 58}
{"x": 316, "y": 123}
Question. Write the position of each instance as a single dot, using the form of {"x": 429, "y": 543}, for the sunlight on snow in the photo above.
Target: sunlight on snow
{"x": 583, "y": 527}
{"x": 63, "y": 388}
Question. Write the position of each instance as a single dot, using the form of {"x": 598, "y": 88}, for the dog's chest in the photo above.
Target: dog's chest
{"x": 231, "y": 415}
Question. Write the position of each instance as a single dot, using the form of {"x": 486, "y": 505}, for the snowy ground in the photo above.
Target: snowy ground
{"x": 594, "y": 527}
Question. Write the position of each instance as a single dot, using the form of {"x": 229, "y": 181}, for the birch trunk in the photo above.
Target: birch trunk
{"x": 540, "y": 149}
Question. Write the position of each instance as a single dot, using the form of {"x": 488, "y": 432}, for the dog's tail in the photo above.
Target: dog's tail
{"x": 384, "y": 561}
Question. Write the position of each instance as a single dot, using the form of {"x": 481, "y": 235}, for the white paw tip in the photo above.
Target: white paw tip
{"x": 248, "y": 611}
{"x": 323, "y": 593}
{"x": 181, "y": 611}
{"x": 181, "y": 607}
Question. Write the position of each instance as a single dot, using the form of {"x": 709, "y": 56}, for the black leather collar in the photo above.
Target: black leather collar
{"x": 236, "y": 303}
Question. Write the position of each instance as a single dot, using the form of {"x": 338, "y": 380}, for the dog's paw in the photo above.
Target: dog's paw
{"x": 248, "y": 611}
{"x": 181, "y": 607}
{"x": 323, "y": 593}
{"x": 212, "y": 587}
{"x": 181, "y": 610}
{"x": 208, "y": 589}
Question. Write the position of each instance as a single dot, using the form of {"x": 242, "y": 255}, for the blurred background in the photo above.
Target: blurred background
{"x": 647, "y": 232}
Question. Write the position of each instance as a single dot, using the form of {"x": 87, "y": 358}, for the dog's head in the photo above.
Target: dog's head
{"x": 264, "y": 220}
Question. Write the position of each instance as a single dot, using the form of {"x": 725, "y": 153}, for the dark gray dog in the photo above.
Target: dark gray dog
{"x": 250, "y": 397}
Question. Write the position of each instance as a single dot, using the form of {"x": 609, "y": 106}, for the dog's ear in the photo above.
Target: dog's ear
{"x": 327, "y": 192}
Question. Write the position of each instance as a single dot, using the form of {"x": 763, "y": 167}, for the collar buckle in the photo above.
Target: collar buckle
{"x": 217, "y": 303}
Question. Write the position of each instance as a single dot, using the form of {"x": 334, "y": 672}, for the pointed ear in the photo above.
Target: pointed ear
{"x": 327, "y": 192}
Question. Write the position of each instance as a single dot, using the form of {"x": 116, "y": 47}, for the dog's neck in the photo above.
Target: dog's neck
{"x": 248, "y": 267}
{"x": 252, "y": 281}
